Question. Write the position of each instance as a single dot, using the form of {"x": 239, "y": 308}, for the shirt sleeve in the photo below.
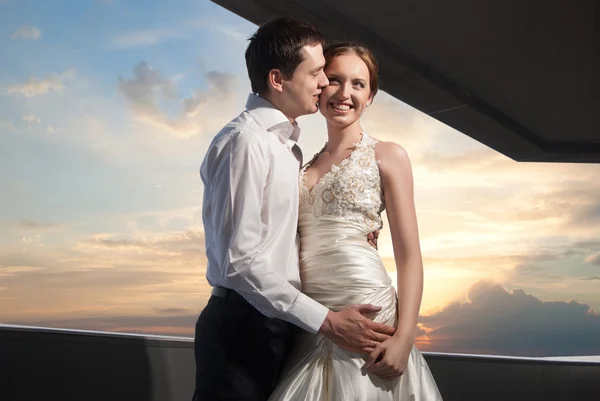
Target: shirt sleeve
{"x": 243, "y": 176}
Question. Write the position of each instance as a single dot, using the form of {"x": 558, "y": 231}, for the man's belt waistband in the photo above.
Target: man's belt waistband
{"x": 220, "y": 292}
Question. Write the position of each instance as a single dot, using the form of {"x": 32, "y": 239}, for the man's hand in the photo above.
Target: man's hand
{"x": 351, "y": 330}
{"x": 372, "y": 238}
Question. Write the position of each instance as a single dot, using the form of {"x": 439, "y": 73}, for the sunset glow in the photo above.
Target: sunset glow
{"x": 102, "y": 132}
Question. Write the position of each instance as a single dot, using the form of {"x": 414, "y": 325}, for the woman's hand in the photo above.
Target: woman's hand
{"x": 389, "y": 359}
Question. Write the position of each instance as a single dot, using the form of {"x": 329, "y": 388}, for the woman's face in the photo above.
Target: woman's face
{"x": 343, "y": 101}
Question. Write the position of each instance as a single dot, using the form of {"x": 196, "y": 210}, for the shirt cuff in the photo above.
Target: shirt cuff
{"x": 307, "y": 313}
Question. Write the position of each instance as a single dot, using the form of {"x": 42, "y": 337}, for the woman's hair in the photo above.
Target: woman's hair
{"x": 337, "y": 49}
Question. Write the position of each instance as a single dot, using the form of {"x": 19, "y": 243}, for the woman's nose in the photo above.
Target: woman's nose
{"x": 344, "y": 90}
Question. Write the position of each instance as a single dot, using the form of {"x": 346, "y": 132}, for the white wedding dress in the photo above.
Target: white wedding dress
{"x": 340, "y": 268}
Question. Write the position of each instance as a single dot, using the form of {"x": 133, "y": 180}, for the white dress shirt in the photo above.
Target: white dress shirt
{"x": 250, "y": 214}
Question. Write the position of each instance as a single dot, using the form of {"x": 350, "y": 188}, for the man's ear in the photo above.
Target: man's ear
{"x": 275, "y": 80}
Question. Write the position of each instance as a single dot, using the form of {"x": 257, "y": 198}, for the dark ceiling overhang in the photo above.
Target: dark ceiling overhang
{"x": 520, "y": 76}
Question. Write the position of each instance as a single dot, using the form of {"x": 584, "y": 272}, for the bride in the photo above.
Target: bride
{"x": 343, "y": 191}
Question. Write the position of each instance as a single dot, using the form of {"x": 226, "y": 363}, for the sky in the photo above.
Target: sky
{"x": 106, "y": 111}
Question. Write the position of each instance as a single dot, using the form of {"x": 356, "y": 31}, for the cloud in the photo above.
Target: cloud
{"x": 555, "y": 269}
{"x": 476, "y": 201}
{"x": 94, "y": 280}
{"x": 593, "y": 259}
{"x": 221, "y": 88}
{"x": 187, "y": 243}
{"x": 573, "y": 198}
{"x": 517, "y": 265}
{"x": 148, "y": 88}
{"x": 584, "y": 246}
{"x": 27, "y": 32}
{"x": 174, "y": 311}
{"x": 179, "y": 325}
{"x": 11, "y": 271}
{"x": 475, "y": 159}
{"x": 496, "y": 259}
{"x": 142, "y": 38}
{"x": 34, "y": 225}
{"x": 533, "y": 272}
{"x": 52, "y": 130}
{"x": 31, "y": 240}
{"x": 549, "y": 269}
{"x": 123, "y": 274}
{"x": 233, "y": 32}
{"x": 31, "y": 118}
{"x": 389, "y": 119}
{"x": 588, "y": 213}
{"x": 493, "y": 320}
{"x": 7, "y": 125}
{"x": 34, "y": 86}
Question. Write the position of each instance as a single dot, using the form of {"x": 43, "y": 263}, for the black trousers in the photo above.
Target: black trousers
{"x": 239, "y": 351}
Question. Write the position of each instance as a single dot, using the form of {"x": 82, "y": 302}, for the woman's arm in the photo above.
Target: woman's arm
{"x": 397, "y": 184}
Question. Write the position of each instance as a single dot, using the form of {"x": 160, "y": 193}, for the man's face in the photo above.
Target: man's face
{"x": 301, "y": 91}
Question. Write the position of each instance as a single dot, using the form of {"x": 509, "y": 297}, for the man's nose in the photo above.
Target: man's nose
{"x": 323, "y": 82}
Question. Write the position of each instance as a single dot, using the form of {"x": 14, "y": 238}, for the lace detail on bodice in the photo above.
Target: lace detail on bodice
{"x": 351, "y": 189}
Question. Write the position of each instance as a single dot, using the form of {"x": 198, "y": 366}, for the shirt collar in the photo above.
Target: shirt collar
{"x": 272, "y": 119}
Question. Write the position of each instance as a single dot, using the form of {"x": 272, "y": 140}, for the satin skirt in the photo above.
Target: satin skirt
{"x": 339, "y": 268}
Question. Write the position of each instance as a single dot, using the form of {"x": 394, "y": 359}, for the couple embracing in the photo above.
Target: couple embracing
{"x": 302, "y": 307}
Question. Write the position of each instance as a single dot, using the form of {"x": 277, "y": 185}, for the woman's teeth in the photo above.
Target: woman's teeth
{"x": 343, "y": 107}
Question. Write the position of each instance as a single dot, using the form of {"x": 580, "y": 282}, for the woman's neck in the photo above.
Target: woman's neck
{"x": 340, "y": 137}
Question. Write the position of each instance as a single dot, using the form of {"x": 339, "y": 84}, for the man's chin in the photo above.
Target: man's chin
{"x": 310, "y": 109}
{"x": 313, "y": 109}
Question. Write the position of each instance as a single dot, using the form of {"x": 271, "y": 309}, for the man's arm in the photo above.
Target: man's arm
{"x": 238, "y": 180}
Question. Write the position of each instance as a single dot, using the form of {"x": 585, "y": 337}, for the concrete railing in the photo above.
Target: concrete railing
{"x": 63, "y": 365}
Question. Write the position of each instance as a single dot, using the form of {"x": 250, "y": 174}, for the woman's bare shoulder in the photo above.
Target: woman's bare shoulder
{"x": 391, "y": 155}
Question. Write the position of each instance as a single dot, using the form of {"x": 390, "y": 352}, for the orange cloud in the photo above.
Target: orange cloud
{"x": 494, "y": 320}
{"x": 35, "y": 86}
{"x": 103, "y": 274}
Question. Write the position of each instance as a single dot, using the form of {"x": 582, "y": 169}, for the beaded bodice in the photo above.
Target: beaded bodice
{"x": 350, "y": 190}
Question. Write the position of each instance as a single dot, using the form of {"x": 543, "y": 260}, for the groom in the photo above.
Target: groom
{"x": 250, "y": 212}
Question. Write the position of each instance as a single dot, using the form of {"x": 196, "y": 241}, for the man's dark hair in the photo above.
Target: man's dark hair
{"x": 278, "y": 45}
